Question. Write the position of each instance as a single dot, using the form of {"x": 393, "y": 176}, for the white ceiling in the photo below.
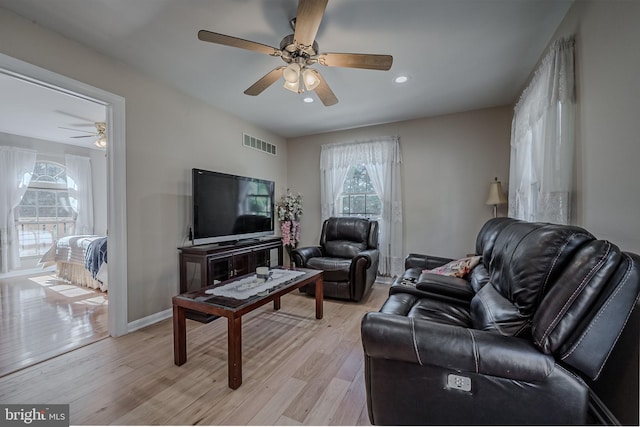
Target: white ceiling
{"x": 460, "y": 55}
{"x": 32, "y": 110}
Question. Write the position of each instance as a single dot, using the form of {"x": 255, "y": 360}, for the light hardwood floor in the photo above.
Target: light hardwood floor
{"x": 42, "y": 317}
{"x": 297, "y": 370}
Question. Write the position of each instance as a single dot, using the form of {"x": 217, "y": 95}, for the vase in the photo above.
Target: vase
{"x": 290, "y": 249}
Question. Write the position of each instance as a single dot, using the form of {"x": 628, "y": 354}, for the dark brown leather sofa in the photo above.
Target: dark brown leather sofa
{"x": 543, "y": 331}
{"x": 348, "y": 254}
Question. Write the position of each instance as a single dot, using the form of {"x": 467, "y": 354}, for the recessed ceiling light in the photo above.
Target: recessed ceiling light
{"x": 401, "y": 79}
{"x": 307, "y": 99}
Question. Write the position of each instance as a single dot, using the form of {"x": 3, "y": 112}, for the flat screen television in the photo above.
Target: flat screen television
{"x": 230, "y": 207}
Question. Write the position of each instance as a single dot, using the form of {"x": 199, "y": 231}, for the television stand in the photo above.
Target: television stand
{"x": 208, "y": 264}
{"x": 244, "y": 241}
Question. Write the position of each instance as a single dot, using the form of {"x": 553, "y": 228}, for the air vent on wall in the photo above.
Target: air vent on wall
{"x": 258, "y": 144}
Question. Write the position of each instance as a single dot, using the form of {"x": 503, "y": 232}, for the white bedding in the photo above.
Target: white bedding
{"x": 68, "y": 254}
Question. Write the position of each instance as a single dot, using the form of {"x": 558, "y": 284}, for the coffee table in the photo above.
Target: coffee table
{"x": 233, "y": 309}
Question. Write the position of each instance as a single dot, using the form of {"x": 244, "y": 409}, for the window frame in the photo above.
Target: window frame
{"x": 353, "y": 169}
{"x": 44, "y": 232}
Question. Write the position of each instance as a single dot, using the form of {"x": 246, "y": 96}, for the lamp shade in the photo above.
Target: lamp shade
{"x": 292, "y": 73}
{"x": 311, "y": 81}
{"x": 101, "y": 142}
{"x": 496, "y": 195}
{"x": 292, "y": 86}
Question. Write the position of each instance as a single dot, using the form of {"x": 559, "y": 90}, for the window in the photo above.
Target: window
{"x": 362, "y": 178}
{"x": 358, "y": 197}
{"x": 259, "y": 199}
{"x": 44, "y": 214}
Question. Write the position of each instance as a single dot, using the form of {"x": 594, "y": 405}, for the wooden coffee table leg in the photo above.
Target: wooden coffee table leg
{"x": 179, "y": 336}
{"x": 319, "y": 297}
{"x": 234, "y": 338}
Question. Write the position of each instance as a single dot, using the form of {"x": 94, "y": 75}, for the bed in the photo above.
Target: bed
{"x": 80, "y": 260}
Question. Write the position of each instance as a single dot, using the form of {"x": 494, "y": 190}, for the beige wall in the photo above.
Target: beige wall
{"x": 167, "y": 134}
{"x": 608, "y": 131}
{"x": 448, "y": 163}
{"x": 449, "y": 160}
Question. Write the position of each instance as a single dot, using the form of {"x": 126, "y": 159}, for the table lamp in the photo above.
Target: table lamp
{"x": 496, "y": 196}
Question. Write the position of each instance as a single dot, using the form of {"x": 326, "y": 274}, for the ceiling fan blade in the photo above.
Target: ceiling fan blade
{"x": 356, "y": 60}
{"x": 84, "y": 136}
{"x": 324, "y": 92}
{"x": 308, "y": 20}
{"x": 89, "y": 121}
{"x": 208, "y": 36}
{"x": 270, "y": 78}
{"x": 77, "y": 130}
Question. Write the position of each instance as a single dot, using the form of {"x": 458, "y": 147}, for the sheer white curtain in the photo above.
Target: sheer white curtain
{"x": 382, "y": 159}
{"x": 80, "y": 186}
{"x": 542, "y": 141}
{"x": 16, "y": 169}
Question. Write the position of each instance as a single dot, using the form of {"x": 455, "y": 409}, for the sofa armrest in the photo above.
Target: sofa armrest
{"x": 419, "y": 342}
{"x": 419, "y": 372}
{"x": 436, "y": 286}
{"x": 301, "y": 255}
{"x": 370, "y": 255}
{"x": 445, "y": 285}
{"x": 363, "y": 272}
{"x": 424, "y": 261}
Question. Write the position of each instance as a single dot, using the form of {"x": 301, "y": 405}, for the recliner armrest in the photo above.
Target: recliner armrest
{"x": 422, "y": 342}
{"x": 371, "y": 255}
{"x": 302, "y": 255}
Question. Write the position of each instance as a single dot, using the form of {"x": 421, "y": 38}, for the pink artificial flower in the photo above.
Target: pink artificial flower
{"x": 295, "y": 232}
{"x": 285, "y": 227}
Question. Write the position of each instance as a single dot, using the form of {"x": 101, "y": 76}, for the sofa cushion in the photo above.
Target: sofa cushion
{"x": 527, "y": 258}
{"x": 441, "y": 312}
{"x": 335, "y": 269}
{"x": 456, "y": 268}
{"x": 478, "y": 277}
{"x": 343, "y": 248}
{"x": 346, "y": 228}
{"x": 487, "y": 237}
{"x": 490, "y": 311}
{"x": 405, "y": 304}
{"x": 566, "y": 305}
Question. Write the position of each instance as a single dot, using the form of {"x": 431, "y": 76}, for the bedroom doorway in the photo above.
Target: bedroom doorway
{"x": 116, "y": 184}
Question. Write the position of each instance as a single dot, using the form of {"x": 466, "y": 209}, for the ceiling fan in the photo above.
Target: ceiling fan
{"x": 101, "y": 129}
{"x": 300, "y": 50}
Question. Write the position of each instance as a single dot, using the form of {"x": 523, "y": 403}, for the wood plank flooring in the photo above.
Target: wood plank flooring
{"x": 42, "y": 317}
{"x": 297, "y": 370}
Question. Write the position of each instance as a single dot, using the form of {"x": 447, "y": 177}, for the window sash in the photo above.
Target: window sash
{"x": 359, "y": 203}
{"x": 44, "y": 214}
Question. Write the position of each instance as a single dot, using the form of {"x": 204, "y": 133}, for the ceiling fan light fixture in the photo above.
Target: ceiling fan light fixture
{"x": 292, "y": 73}
{"x": 101, "y": 142}
{"x": 292, "y": 86}
{"x": 311, "y": 80}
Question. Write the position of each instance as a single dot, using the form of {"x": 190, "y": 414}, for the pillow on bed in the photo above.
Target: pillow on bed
{"x": 458, "y": 268}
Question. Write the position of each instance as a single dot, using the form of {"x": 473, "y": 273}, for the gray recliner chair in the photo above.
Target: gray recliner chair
{"x": 348, "y": 254}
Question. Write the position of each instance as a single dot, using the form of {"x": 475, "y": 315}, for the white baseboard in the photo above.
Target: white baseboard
{"x": 149, "y": 320}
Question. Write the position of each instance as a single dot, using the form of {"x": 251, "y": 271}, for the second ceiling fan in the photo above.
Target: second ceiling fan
{"x": 101, "y": 129}
{"x": 300, "y": 50}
